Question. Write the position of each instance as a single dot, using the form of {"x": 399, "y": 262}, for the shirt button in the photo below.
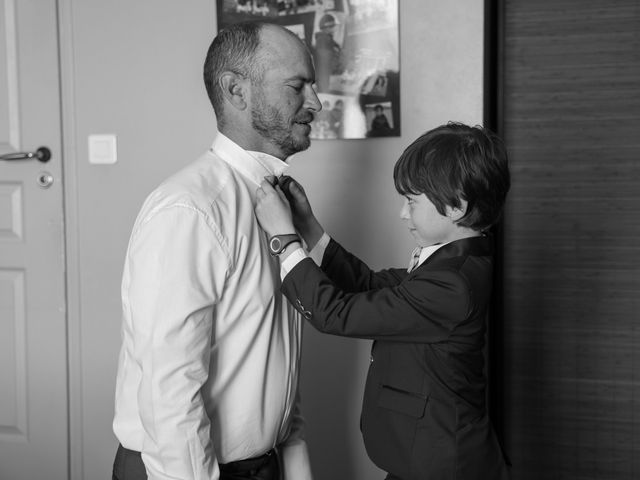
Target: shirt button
{"x": 371, "y": 359}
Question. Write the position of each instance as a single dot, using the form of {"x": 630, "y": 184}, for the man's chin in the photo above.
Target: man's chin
{"x": 296, "y": 144}
{"x": 302, "y": 140}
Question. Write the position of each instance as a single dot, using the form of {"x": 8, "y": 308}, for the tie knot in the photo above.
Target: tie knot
{"x": 415, "y": 258}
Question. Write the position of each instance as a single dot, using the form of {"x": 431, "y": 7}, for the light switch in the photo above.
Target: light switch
{"x": 102, "y": 149}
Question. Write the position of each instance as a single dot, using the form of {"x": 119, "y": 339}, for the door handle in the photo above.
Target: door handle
{"x": 42, "y": 154}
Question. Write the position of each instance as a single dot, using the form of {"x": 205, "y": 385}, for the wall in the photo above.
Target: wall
{"x": 572, "y": 257}
{"x": 134, "y": 69}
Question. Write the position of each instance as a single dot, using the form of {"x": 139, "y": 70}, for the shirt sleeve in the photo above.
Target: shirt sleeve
{"x": 317, "y": 252}
{"x": 177, "y": 271}
{"x": 291, "y": 261}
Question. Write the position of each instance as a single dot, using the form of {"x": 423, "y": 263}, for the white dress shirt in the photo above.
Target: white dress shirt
{"x": 208, "y": 369}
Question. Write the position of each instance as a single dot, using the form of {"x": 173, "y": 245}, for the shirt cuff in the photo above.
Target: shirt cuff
{"x": 317, "y": 252}
{"x": 291, "y": 261}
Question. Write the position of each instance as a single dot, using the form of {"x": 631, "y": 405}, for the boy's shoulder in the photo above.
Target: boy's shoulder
{"x": 458, "y": 251}
{"x": 470, "y": 259}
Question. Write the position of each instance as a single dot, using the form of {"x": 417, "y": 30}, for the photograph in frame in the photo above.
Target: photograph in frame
{"x": 355, "y": 49}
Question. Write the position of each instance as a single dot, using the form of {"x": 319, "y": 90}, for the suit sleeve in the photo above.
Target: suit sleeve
{"x": 353, "y": 275}
{"x": 425, "y": 309}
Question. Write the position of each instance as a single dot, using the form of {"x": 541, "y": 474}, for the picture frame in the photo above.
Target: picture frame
{"x": 355, "y": 48}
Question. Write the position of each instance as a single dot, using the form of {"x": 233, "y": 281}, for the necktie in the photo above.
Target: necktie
{"x": 415, "y": 258}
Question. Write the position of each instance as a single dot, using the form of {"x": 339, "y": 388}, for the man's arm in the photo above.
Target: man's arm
{"x": 177, "y": 269}
{"x": 293, "y": 451}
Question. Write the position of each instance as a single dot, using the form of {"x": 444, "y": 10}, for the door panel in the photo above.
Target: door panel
{"x": 33, "y": 378}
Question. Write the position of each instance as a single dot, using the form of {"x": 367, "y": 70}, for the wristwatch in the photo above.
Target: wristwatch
{"x": 278, "y": 243}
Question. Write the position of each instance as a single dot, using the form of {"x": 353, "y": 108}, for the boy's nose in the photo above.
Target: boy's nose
{"x": 404, "y": 211}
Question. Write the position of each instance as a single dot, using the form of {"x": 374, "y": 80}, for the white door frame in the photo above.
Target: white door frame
{"x": 71, "y": 153}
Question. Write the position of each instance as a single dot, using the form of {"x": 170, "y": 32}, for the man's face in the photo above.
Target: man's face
{"x": 284, "y": 102}
{"x": 285, "y": 125}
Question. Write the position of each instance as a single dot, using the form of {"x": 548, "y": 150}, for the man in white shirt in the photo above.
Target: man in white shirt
{"x": 207, "y": 384}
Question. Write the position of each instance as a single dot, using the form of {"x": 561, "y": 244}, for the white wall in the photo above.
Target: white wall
{"x": 134, "y": 69}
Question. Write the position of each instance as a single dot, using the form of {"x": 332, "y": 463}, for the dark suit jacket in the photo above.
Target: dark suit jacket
{"x": 424, "y": 415}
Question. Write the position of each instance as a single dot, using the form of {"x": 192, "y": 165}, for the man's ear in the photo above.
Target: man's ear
{"x": 235, "y": 89}
{"x": 456, "y": 213}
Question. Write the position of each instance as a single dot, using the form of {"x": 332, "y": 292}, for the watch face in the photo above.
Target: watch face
{"x": 275, "y": 244}
{"x": 278, "y": 243}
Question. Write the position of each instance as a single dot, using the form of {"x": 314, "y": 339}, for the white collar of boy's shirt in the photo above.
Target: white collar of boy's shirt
{"x": 425, "y": 252}
{"x": 253, "y": 165}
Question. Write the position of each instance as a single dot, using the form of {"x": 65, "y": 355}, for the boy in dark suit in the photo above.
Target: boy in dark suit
{"x": 424, "y": 414}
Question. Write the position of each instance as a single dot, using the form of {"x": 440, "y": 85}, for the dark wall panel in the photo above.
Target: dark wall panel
{"x": 571, "y": 121}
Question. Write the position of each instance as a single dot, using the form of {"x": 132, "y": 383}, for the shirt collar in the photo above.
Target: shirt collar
{"x": 423, "y": 253}
{"x": 426, "y": 252}
{"x": 252, "y": 165}
{"x": 479, "y": 245}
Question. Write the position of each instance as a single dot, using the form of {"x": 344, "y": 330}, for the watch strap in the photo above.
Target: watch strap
{"x": 278, "y": 243}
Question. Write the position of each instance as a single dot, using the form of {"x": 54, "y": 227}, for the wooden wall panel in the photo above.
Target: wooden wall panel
{"x": 571, "y": 121}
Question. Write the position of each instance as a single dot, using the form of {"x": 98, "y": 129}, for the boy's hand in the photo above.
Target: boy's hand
{"x": 272, "y": 210}
{"x": 304, "y": 220}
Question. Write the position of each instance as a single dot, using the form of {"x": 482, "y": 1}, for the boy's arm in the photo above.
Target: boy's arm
{"x": 426, "y": 309}
{"x": 346, "y": 270}
{"x": 279, "y": 216}
{"x": 352, "y": 274}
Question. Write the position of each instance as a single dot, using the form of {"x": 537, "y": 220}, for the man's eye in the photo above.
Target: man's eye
{"x": 297, "y": 88}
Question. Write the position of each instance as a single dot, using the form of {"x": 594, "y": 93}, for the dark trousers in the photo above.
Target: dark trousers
{"x": 128, "y": 465}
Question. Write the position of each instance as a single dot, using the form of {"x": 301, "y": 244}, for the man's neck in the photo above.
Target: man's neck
{"x": 250, "y": 141}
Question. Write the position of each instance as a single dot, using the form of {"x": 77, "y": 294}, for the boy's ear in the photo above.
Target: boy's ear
{"x": 235, "y": 89}
{"x": 456, "y": 213}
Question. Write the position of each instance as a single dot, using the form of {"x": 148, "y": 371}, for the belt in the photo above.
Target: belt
{"x": 249, "y": 464}
{"x": 239, "y": 466}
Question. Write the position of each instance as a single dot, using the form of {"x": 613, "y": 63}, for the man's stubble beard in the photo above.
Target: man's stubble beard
{"x": 270, "y": 123}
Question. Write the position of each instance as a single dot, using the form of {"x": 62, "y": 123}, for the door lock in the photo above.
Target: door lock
{"x": 44, "y": 180}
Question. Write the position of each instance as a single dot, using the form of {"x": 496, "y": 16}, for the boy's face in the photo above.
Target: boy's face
{"x": 425, "y": 223}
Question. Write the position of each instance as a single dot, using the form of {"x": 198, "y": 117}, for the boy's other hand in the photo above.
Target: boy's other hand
{"x": 304, "y": 220}
{"x": 298, "y": 201}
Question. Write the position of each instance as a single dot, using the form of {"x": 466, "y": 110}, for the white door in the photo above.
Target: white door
{"x": 33, "y": 378}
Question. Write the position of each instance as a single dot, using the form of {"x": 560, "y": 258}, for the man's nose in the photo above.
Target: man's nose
{"x": 312, "y": 100}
